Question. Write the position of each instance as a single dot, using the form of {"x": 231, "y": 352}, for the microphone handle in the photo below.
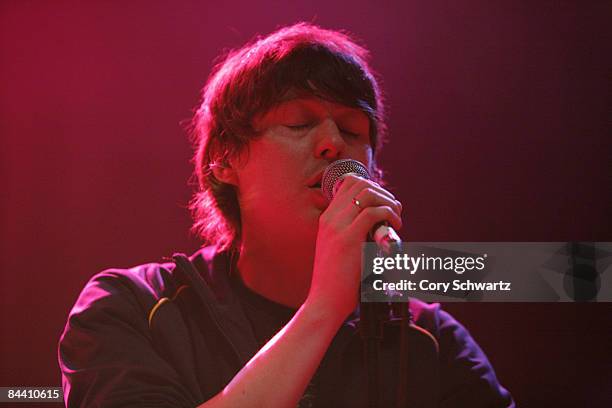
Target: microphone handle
{"x": 386, "y": 238}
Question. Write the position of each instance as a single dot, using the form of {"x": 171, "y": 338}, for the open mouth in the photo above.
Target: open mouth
{"x": 315, "y": 181}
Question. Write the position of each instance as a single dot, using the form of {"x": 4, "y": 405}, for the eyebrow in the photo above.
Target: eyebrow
{"x": 312, "y": 101}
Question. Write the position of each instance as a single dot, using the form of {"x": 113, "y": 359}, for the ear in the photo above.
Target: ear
{"x": 225, "y": 173}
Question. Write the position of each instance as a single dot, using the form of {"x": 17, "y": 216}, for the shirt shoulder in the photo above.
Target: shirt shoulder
{"x": 108, "y": 353}
{"x": 467, "y": 376}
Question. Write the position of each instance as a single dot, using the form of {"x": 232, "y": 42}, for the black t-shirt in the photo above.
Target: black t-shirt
{"x": 267, "y": 318}
{"x": 135, "y": 330}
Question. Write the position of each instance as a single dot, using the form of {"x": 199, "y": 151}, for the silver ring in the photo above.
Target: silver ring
{"x": 356, "y": 202}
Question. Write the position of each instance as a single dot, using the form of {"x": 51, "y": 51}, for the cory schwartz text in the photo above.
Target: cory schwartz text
{"x": 426, "y": 285}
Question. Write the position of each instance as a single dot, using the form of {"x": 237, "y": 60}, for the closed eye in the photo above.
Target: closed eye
{"x": 298, "y": 126}
{"x": 349, "y": 133}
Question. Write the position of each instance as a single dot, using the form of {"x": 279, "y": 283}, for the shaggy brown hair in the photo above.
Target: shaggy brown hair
{"x": 251, "y": 80}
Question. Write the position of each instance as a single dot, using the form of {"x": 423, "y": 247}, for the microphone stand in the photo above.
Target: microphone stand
{"x": 372, "y": 317}
{"x": 371, "y": 330}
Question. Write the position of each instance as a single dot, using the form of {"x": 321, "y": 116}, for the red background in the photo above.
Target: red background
{"x": 499, "y": 120}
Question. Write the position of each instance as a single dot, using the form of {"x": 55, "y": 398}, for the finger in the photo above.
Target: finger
{"x": 369, "y": 197}
{"x": 371, "y": 216}
{"x": 346, "y": 211}
{"x": 346, "y": 182}
{"x": 377, "y": 187}
{"x": 352, "y": 184}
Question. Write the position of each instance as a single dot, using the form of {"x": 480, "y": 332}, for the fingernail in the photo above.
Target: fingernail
{"x": 337, "y": 185}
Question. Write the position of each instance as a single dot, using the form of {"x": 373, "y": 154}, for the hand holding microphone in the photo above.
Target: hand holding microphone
{"x": 359, "y": 208}
{"x": 382, "y": 233}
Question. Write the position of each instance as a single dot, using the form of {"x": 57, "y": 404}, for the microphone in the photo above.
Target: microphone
{"x": 383, "y": 234}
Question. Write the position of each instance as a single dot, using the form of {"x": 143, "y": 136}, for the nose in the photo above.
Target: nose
{"x": 329, "y": 142}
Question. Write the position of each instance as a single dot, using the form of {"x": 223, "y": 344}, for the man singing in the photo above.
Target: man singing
{"x": 266, "y": 314}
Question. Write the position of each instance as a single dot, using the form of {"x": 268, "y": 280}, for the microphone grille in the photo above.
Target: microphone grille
{"x": 336, "y": 170}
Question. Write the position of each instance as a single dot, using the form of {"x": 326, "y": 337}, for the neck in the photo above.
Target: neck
{"x": 279, "y": 270}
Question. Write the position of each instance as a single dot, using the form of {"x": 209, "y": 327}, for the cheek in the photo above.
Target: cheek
{"x": 270, "y": 148}
{"x": 274, "y": 158}
{"x": 270, "y": 166}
